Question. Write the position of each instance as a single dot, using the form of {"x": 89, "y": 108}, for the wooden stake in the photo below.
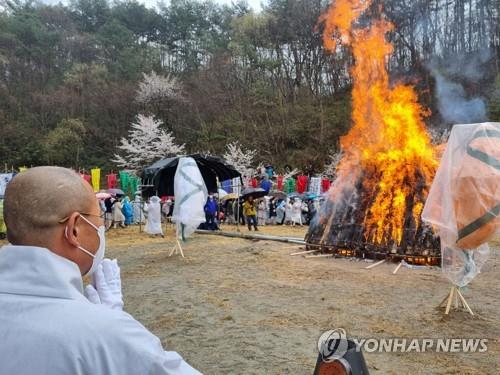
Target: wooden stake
{"x": 375, "y": 264}
{"x": 177, "y": 249}
{"x": 443, "y": 302}
{"x": 456, "y": 296}
{"x": 397, "y": 268}
{"x": 304, "y": 252}
{"x": 297, "y": 247}
{"x": 466, "y": 305}
{"x": 319, "y": 256}
{"x": 450, "y": 299}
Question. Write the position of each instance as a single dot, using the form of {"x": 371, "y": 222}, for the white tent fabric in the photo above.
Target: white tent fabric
{"x": 153, "y": 222}
{"x": 190, "y": 197}
{"x": 464, "y": 199}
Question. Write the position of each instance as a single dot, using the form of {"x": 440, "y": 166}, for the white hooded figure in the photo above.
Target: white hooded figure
{"x": 262, "y": 212}
{"x": 153, "y": 223}
{"x": 288, "y": 211}
{"x": 139, "y": 216}
{"x": 190, "y": 197}
{"x": 297, "y": 212}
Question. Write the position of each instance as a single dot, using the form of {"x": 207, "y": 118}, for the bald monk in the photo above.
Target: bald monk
{"x": 47, "y": 324}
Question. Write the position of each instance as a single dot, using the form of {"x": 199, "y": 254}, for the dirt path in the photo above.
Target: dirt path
{"x": 242, "y": 307}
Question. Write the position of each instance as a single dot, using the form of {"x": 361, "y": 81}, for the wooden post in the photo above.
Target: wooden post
{"x": 450, "y": 299}
{"x": 459, "y": 301}
{"x": 304, "y": 252}
{"x": 320, "y": 256}
{"x": 397, "y": 268}
{"x": 464, "y": 302}
{"x": 375, "y": 264}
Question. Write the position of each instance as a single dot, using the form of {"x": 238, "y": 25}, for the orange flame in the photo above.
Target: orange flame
{"x": 388, "y": 145}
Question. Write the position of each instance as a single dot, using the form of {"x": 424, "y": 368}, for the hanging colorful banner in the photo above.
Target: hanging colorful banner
{"x": 86, "y": 177}
{"x": 325, "y": 185}
{"x": 111, "y": 180}
{"x": 280, "y": 183}
{"x": 290, "y": 186}
{"x": 96, "y": 178}
{"x": 134, "y": 185}
{"x": 124, "y": 181}
{"x": 226, "y": 185}
{"x": 315, "y": 186}
{"x": 301, "y": 184}
{"x": 236, "y": 182}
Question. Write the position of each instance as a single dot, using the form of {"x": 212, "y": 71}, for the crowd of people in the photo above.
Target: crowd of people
{"x": 268, "y": 210}
{"x": 120, "y": 212}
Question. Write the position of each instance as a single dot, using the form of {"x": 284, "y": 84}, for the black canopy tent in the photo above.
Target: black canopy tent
{"x": 159, "y": 178}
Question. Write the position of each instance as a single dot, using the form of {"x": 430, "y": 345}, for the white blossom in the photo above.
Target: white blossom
{"x": 146, "y": 143}
{"x": 154, "y": 88}
{"x": 334, "y": 160}
{"x": 241, "y": 159}
{"x": 290, "y": 174}
{"x": 439, "y": 136}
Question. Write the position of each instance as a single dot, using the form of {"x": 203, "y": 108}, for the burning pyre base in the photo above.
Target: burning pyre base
{"x": 342, "y": 232}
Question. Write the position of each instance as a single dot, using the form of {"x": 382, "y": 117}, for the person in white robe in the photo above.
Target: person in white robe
{"x": 153, "y": 222}
{"x": 261, "y": 213}
{"x": 48, "y": 325}
{"x": 297, "y": 212}
{"x": 288, "y": 211}
{"x": 118, "y": 217}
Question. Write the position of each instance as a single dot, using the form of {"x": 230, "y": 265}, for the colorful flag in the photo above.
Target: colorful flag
{"x": 96, "y": 178}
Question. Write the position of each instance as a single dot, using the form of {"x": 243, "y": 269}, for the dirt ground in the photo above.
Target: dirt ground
{"x": 247, "y": 307}
{"x": 236, "y": 306}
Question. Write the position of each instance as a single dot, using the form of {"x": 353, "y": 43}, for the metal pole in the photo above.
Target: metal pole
{"x": 140, "y": 213}
{"x": 238, "y": 208}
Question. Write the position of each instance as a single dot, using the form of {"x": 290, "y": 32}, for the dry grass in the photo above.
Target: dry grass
{"x": 247, "y": 307}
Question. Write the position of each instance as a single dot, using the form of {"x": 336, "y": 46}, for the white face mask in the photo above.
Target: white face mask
{"x": 99, "y": 255}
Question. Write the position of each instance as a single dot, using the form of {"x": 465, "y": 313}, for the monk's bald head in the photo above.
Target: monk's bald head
{"x": 37, "y": 199}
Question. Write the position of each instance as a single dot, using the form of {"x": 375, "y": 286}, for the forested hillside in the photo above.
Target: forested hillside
{"x": 70, "y": 75}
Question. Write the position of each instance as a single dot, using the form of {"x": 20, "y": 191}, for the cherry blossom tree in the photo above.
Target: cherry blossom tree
{"x": 241, "y": 159}
{"x": 155, "y": 88}
{"x": 290, "y": 173}
{"x": 331, "y": 167}
{"x": 146, "y": 143}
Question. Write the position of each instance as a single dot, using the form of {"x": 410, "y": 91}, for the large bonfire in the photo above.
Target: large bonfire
{"x": 388, "y": 165}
